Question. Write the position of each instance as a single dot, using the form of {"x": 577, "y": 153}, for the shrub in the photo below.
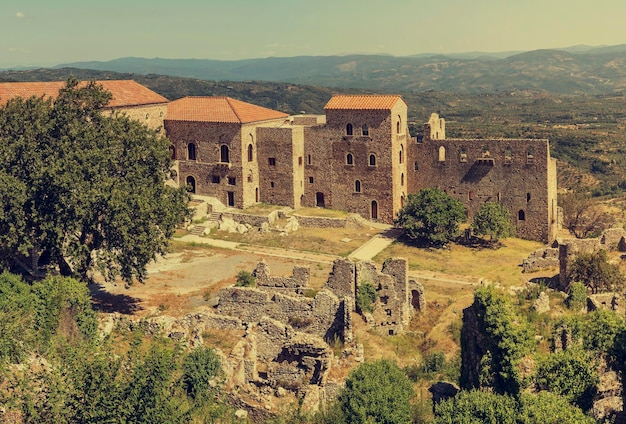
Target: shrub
{"x": 245, "y": 279}
{"x": 200, "y": 366}
{"x": 576, "y": 296}
{"x": 365, "y": 297}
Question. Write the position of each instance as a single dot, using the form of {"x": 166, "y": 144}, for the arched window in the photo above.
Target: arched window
{"x": 349, "y": 129}
{"x": 521, "y": 215}
{"x": 372, "y": 160}
{"x": 402, "y": 179}
{"x": 357, "y": 186}
{"x": 442, "y": 154}
{"x": 191, "y": 184}
{"x": 349, "y": 159}
{"x": 364, "y": 130}
{"x": 416, "y": 166}
{"x": 308, "y": 159}
{"x": 401, "y": 154}
{"x": 527, "y": 197}
{"x": 398, "y": 125}
{"x": 250, "y": 152}
{"x": 224, "y": 154}
{"x": 173, "y": 152}
{"x": 191, "y": 151}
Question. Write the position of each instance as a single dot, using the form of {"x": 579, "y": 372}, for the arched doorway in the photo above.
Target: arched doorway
{"x": 256, "y": 195}
{"x": 319, "y": 199}
{"x": 374, "y": 211}
{"x": 191, "y": 184}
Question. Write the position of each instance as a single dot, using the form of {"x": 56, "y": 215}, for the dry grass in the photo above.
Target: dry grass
{"x": 225, "y": 340}
{"x": 470, "y": 264}
{"x": 315, "y": 240}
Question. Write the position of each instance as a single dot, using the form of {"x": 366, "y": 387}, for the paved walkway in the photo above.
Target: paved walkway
{"x": 376, "y": 244}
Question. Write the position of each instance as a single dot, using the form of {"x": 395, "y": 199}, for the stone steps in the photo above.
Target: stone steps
{"x": 198, "y": 230}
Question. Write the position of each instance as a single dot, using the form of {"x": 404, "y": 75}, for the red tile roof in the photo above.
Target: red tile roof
{"x": 125, "y": 92}
{"x": 219, "y": 109}
{"x": 363, "y": 102}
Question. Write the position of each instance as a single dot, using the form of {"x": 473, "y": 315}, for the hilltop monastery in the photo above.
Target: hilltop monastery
{"x": 358, "y": 157}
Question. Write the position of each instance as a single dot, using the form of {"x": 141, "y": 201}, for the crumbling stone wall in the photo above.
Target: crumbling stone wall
{"x": 296, "y": 283}
{"x": 322, "y": 315}
{"x": 541, "y": 259}
{"x": 518, "y": 173}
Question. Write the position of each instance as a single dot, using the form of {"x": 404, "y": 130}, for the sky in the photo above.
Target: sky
{"x": 51, "y": 32}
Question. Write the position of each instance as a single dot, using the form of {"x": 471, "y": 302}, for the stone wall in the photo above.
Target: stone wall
{"x": 541, "y": 259}
{"x": 518, "y": 173}
{"x": 296, "y": 283}
{"x": 611, "y": 239}
{"x": 323, "y": 315}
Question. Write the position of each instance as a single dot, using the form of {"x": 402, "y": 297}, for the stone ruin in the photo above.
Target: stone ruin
{"x": 283, "y": 338}
{"x": 564, "y": 251}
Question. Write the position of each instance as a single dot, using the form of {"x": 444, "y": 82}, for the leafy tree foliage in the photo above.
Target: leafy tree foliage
{"x": 582, "y": 216}
{"x": 549, "y": 408}
{"x": 431, "y": 216}
{"x": 376, "y": 392}
{"x": 477, "y": 407}
{"x": 31, "y": 315}
{"x": 245, "y": 279}
{"x": 199, "y": 368}
{"x": 576, "y": 296}
{"x": 86, "y": 190}
{"x": 570, "y": 373}
{"x": 600, "y": 329}
{"x": 494, "y": 220}
{"x": 596, "y": 272}
{"x": 487, "y": 407}
{"x": 506, "y": 338}
{"x": 365, "y": 297}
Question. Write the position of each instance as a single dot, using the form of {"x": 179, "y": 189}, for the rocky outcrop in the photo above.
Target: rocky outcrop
{"x": 541, "y": 259}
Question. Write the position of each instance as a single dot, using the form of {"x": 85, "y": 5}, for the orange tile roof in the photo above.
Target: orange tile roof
{"x": 365, "y": 101}
{"x": 125, "y": 92}
{"x": 219, "y": 109}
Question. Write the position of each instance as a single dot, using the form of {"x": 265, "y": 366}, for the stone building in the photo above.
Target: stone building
{"x": 128, "y": 97}
{"x": 359, "y": 157}
{"x": 518, "y": 173}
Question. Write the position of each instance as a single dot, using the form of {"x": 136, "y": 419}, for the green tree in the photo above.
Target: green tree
{"x": 365, "y": 297}
{"x": 376, "y": 392}
{"x": 549, "y": 408}
{"x": 596, "y": 272}
{"x": 245, "y": 279}
{"x": 86, "y": 190}
{"x": 576, "y": 296}
{"x": 431, "y": 216}
{"x": 477, "y": 407}
{"x": 582, "y": 216}
{"x": 570, "y": 373}
{"x": 505, "y": 338}
{"x": 199, "y": 368}
{"x": 494, "y": 220}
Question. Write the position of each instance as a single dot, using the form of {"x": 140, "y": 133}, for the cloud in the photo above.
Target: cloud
{"x": 20, "y": 15}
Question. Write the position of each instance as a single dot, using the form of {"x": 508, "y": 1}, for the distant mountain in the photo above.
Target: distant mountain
{"x": 575, "y": 70}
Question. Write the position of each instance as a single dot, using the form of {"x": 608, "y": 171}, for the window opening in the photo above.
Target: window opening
{"x": 191, "y": 151}
{"x": 224, "y": 154}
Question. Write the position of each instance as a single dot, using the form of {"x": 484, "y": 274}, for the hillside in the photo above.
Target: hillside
{"x": 578, "y": 71}
{"x": 586, "y": 131}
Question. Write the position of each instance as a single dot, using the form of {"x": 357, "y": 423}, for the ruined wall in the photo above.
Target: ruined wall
{"x": 322, "y": 315}
{"x": 296, "y": 283}
{"x": 514, "y": 173}
{"x": 611, "y": 239}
